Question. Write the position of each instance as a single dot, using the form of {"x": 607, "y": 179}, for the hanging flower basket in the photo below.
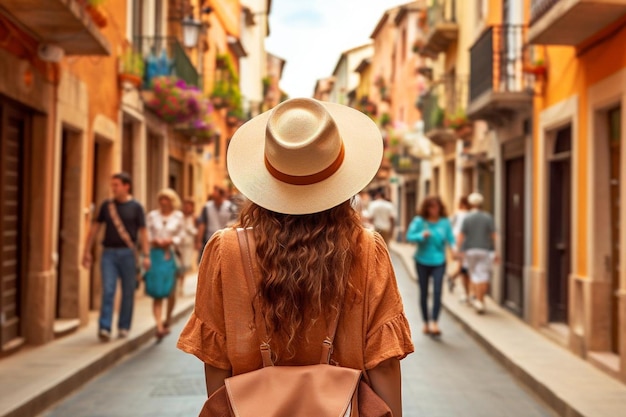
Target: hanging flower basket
{"x": 182, "y": 105}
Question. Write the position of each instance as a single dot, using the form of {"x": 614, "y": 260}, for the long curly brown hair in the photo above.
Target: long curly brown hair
{"x": 430, "y": 201}
{"x": 305, "y": 262}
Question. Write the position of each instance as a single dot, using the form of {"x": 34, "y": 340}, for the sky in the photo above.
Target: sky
{"x": 311, "y": 35}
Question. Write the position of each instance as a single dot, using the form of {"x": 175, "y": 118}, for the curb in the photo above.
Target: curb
{"x": 543, "y": 392}
{"x": 549, "y": 397}
{"x": 49, "y": 396}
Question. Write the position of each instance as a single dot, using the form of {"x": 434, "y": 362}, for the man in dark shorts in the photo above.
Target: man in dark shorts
{"x": 118, "y": 257}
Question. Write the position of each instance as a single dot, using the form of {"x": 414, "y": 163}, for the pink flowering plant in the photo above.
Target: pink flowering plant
{"x": 181, "y": 104}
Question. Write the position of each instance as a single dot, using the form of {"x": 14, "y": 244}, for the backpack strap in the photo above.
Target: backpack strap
{"x": 246, "y": 258}
{"x": 327, "y": 345}
{"x": 246, "y": 239}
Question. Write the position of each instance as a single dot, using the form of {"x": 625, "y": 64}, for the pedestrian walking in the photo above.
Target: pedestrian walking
{"x": 124, "y": 225}
{"x": 477, "y": 241}
{"x": 166, "y": 231}
{"x": 461, "y": 270}
{"x": 311, "y": 262}
{"x": 188, "y": 243}
{"x": 432, "y": 232}
{"x": 360, "y": 203}
{"x": 215, "y": 215}
{"x": 382, "y": 213}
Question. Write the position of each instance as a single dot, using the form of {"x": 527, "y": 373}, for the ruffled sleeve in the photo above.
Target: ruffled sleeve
{"x": 204, "y": 335}
{"x": 388, "y": 332}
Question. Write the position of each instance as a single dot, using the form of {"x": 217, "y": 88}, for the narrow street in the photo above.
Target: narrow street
{"x": 452, "y": 376}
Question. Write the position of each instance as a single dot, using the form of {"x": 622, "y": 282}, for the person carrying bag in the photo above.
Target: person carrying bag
{"x": 297, "y": 308}
{"x": 321, "y": 390}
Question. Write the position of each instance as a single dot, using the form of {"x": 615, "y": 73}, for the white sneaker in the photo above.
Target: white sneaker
{"x": 463, "y": 299}
{"x": 122, "y": 333}
{"x": 104, "y": 335}
{"x": 479, "y": 306}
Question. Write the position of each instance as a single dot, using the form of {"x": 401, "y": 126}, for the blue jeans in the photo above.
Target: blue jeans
{"x": 424, "y": 272}
{"x": 117, "y": 262}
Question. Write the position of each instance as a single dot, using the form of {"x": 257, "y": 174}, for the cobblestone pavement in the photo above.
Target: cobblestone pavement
{"x": 452, "y": 376}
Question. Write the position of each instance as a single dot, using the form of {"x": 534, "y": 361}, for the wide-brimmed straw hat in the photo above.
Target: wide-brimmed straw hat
{"x": 304, "y": 156}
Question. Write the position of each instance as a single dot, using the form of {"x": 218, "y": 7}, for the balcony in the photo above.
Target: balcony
{"x": 64, "y": 23}
{"x": 165, "y": 56}
{"x": 443, "y": 110}
{"x": 443, "y": 30}
{"x": 405, "y": 163}
{"x": 571, "y": 22}
{"x": 498, "y": 85}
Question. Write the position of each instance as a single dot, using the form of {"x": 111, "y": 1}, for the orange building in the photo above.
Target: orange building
{"x": 577, "y": 275}
{"x": 77, "y": 104}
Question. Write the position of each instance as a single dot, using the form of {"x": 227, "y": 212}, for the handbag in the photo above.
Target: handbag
{"x": 160, "y": 278}
{"x": 319, "y": 390}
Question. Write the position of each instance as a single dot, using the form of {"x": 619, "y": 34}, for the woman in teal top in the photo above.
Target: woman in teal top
{"x": 432, "y": 232}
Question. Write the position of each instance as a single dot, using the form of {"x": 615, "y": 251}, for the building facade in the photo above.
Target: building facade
{"x": 81, "y": 102}
{"x": 576, "y": 274}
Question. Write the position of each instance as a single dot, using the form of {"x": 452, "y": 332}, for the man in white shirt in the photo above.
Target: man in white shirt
{"x": 216, "y": 214}
{"x": 383, "y": 215}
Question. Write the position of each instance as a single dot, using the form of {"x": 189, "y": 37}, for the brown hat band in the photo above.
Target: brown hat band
{"x": 307, "y": 179}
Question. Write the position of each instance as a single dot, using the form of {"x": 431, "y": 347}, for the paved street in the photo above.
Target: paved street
{"x": 450, "y": 377}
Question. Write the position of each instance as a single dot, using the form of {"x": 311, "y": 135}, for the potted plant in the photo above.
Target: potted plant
{"x": 537, "y": 68}
{"x": 459, "y": 122}
{"x": 423, "y": 18}
{"x": 385, "y": 120}
{"x": 219, "y": 95}
{"x": 266, "y": 82}
{"x": 131, "y": 68}
{"x": 234, "y": 117}
{"x": 418, "y": 44}
{"x": 223, "y": 62}
{"x": 93, "y": 7}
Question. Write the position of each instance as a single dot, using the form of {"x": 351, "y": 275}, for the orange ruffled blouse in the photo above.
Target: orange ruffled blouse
{"x": 372, "y": 326}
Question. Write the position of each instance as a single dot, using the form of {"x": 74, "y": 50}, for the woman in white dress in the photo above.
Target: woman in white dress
{"x": 166, "y": 230}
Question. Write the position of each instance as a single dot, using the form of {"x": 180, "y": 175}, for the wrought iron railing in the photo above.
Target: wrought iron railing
{"x": 432, "y": 113}
{"x": 441, "y": 11}
{"x": 164, "y": 55}
{"x": 540, "y": 7}
{"x": 497, "y": 60}
{"x": 445, "y": 103}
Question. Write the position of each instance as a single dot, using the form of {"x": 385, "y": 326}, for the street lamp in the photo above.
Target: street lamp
{"x": 191, "y": 32}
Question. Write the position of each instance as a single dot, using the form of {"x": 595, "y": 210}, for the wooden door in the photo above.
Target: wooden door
{"x": 175, "y": 177}
{"x": 410, "y": 206}
{"x": 155, "y": 170}
{"x": 14, "y": 130}
{"x": 559, "y": 227}
{"x": 614, "y": 170}
{"x": 62, "y": 237}
{"x": 513, "y": 260}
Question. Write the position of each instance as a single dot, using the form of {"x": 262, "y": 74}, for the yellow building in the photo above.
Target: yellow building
{"x": 577, "y": 274}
